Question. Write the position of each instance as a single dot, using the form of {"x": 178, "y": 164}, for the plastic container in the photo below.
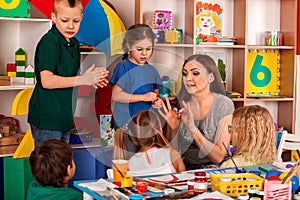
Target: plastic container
{"x": 141, "y": 187}
{"x": 172, "y": 88}
{"x": 164, "y": 89}
{"x": 190, "y": 185}
{"x": 200, "y": 182}
{"x": 243, "y": 197}
{"x": 239, "y": 185}
{"x": 252, "y": 192}
{"x": 282, "y": 191}
{"x": 136, "y": 197}
{"x": 273, "y": 38}
{"x": 79, "y": 138}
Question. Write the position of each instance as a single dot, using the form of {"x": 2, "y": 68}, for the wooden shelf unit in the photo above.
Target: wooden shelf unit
{"x": 281, "y": 16}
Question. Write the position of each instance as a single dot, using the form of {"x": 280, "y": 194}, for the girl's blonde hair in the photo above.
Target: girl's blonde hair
{"x": 253, "y": 128}
{"x": 144, "y": 130}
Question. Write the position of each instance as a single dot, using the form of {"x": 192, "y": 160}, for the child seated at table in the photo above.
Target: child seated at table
{"x": 254, "y": 136}
{"x": 52, "y": 166}
{"x": 154, "y": 151}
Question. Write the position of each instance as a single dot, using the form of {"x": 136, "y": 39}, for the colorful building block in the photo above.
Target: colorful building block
{"x": 29, "y": 75}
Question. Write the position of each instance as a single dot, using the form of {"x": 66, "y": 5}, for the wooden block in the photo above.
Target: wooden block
{"x": 4, "y": 80}
{"x": 5, "y": 130}
{"x": 8, "y": 149}
{"x": 11, "y": 140}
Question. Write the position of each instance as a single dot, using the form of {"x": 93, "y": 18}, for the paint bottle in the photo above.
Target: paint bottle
{"x": 200, "y": 183}
{"x": 190, "y": 184}
{"x": 252, "y": 192}
{"x": 243, "y": 197}
{"x": 172, "y": 87}
{"x": 164, "y": 89}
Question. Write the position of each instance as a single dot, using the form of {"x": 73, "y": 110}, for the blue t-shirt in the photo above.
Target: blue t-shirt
{"x": 133, "y": 79}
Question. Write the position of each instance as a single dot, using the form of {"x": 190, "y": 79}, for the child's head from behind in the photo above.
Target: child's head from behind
{"x": 145, "y": 130}
{"x": 253, "y": 133}
{"x": 138, "y": 43}
{"x": 67, "y": 15}
{"x": 52, "y": 164}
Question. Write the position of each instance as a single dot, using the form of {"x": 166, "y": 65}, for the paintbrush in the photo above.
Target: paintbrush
{"x": 160, "y": 186}
{"x": 291, "y": 173}
{"x": 113, "y": 164}
{"x": 229, "y": 153}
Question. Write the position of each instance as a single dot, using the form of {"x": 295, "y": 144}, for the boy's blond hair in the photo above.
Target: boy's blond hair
{"x": 70, "y": 3}
{"x": 254, "y": 130}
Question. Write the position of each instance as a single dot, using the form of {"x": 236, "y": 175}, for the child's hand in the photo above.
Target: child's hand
{"x": 95, "y": 77}
{"x": 150, "y": 96}
{"x": 158, "y": 103}
{"x": 102, "y": 81}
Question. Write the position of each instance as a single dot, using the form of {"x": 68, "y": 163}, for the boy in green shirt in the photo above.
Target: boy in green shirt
{"x": 57, "y": 66}
{"x": 52, "y": 165}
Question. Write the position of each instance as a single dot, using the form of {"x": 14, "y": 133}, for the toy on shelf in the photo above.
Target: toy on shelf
{"x": 29, "y": 75}
{"x": 10, "y": 135}
{"x": 20, "y": 60}
{"x": 263, "y": 77}
{"x": 12, "y": 8}
{"x": 162, "y": 19}
{"x": 11, "y": 69}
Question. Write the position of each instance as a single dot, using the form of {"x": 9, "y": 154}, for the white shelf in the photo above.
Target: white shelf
{"x": 15, "y": 86}
{"x": 24, "y": 19}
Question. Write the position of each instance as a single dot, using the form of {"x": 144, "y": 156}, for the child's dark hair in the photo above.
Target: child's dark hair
{"x": 71, "y": 3}
{"x": 135, "y": 33}
{"x": 144, "y": 130}
{"x": 49, "y": 162}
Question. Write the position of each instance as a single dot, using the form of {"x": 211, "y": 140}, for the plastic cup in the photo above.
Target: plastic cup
{"x": 122, "y": 165}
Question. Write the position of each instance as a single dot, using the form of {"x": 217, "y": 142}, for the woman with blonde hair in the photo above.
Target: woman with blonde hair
{"x": 253, "y": 134}
{"x": 144, "y": 131}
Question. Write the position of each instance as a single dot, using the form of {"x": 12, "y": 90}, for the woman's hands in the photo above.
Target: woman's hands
{"x": 187, "y": 117}
{"x": 172, "y": 116}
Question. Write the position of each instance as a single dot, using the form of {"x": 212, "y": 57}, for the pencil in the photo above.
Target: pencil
{"x": 263, "y": 169}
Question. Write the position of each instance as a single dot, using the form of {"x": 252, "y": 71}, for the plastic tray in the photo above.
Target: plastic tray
{"x": 239, "y": 184}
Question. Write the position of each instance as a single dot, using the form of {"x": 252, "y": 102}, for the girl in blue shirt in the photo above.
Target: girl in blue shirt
{"x": 135, "y": 83}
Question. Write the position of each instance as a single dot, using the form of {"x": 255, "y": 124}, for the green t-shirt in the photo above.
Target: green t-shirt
{"x": 52, "y": 109}
{"x": 38, "y": 192}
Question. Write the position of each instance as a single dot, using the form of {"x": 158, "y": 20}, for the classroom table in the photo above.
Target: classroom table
{"x": 262, "y": 168}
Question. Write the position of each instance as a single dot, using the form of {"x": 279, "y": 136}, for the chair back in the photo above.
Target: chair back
{"x": 288, "y": 141}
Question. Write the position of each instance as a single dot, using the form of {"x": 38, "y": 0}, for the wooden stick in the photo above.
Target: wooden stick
{"x": 291, "y": 173}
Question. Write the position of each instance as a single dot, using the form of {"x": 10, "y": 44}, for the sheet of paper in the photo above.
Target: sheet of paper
{"x": 99, "y": 185}
{"x": 172, "y": 178}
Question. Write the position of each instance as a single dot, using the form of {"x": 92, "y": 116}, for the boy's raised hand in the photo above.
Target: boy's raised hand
{"x": 102, "y": 81}
{"x": 93, "y": 76}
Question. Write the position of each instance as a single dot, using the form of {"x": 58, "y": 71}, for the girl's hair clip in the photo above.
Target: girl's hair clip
{"x": 154, "y": 129}
{"x": 125, "y": 127}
